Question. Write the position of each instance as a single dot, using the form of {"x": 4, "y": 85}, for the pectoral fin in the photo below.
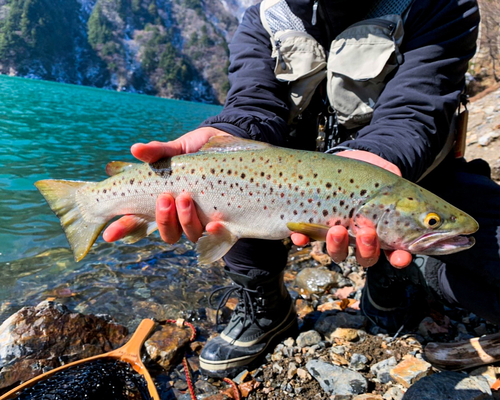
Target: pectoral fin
{"x": 144, "y": 227}
{"x": 313, "y": 231}
{"x": 213, "y": 246}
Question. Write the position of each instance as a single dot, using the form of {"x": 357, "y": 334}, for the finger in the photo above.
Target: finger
{"x": 367, "y": 247}
{"x": 188, "y": 217}
{"x": 121, "y": 228}
{"x": 166, "y": 218}
{"x": 154, "y": 151}
{"x": 299, "y": 239}
{"x": 399, "y": 258}
{"x": 337, "y": 243}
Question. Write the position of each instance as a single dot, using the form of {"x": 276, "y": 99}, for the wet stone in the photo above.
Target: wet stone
{"x": 37, "y": 339}
{"x": 317, "y": 280}
{"x": 167, "y": 344}
{"x": 336, "y": 380}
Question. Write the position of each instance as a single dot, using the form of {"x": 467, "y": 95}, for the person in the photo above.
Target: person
{"x": 404, "y": 126}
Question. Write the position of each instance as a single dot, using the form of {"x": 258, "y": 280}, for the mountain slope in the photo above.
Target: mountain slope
{"x": 170, "y": 48}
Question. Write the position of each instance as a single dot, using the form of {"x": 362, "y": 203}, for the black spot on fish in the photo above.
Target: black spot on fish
{"x": 334, "y": 209}
{"x": 242, "y": 176}
{"x": 282, "y": 216}
{"x": 342, "y": 202}
{"x": 410, "y": 198}
{"x": 311, "y": 220}
{"x": 104, "y": 190}
{"x": 337, "y": 222}
{"x": 212, "y": 170}
{"x": 229, "y": 172}
{"x": 295, "y": 212}
{"x": 351, "y": 180}
{"x": 328, "y": 185}
{"x": 315, "y": 175}
{"x": 363, "y": 192}
{"x": 375, "y": 216}
{"x": 325, "y": 213}
{"x": 339, "y": 171}
{"x": 377, "y": 184}
{"x": 351, "y": 213}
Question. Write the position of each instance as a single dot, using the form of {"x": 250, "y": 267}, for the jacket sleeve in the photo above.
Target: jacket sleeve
{"x": 255, "y": 107}
{"x": 412, "y": 117}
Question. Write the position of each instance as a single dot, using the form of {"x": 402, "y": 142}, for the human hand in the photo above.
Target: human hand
{"x": 173, "y": 216}
{"x": 367, "y": 244}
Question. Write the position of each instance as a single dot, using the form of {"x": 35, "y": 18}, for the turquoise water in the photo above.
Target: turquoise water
{"x": 52, "y": 130}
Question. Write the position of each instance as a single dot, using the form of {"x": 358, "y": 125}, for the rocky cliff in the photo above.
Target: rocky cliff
{"x": 170, "y": 48}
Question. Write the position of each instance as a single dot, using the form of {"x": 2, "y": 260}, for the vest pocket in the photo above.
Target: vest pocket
{"x": 360, "y": 60}
{"x": 300, "y": 61}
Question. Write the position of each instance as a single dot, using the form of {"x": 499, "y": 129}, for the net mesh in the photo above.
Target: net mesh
{"x": 95, "y": 380}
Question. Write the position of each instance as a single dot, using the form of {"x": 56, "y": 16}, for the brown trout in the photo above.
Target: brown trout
{"x": 261, "y": 191}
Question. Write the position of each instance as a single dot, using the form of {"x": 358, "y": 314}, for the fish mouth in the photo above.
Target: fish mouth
{"x": 440, "y": 243}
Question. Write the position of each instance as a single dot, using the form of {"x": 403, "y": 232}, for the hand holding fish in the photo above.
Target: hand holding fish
{"x": 175, "y": 216}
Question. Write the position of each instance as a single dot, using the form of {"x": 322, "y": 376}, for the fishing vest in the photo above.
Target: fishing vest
{"x": 359, "y": 62}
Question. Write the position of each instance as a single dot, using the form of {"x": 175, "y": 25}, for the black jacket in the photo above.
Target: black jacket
{"x": 412, "y": 116}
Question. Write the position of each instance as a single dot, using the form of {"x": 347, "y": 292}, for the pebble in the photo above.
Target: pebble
{"x": 383, "y": 368}
{"x": 410, "y": 370}
{"x": 308, "y": 338}
{"x": 337, "y": 380}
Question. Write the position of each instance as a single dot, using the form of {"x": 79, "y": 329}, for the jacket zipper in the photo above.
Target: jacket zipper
{"x": 314, "y": 18}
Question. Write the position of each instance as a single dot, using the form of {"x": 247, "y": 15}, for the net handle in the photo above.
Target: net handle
{"x": 130, "y": 352}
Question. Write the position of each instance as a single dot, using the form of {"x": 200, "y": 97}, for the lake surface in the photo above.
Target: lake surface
{"x": 52, "y": 130}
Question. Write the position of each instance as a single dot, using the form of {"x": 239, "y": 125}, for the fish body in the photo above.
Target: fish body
{"x": 257, "y": 190}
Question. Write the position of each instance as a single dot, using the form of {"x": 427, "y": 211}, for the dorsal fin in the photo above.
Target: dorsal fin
{"x": 115, "y": 167}
{"x": 227, "y": 143}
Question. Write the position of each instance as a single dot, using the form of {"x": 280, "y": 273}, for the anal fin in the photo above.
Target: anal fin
{"x": 313, "y": 231}
{"x": 213, "y": 246}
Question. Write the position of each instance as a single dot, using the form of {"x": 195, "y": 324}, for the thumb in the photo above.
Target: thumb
{"x": 190, "y": 142}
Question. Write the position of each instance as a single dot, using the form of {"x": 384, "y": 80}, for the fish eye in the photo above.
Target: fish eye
{"x": 432, "y": 220}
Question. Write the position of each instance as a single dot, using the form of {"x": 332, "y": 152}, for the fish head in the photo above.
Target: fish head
{"x": 416, "y": 220}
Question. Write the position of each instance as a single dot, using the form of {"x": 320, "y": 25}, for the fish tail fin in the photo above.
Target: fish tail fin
{"x": 61, "y": 197}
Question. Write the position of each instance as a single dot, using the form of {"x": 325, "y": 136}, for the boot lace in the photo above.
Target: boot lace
{"x": 248, "y": 303}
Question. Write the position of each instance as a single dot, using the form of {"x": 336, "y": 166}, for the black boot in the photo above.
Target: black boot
{"x": 393, "y": 298}
{"x": 265, "y": 314}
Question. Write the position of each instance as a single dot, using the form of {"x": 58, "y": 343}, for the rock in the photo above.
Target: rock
{"x": 36, "y": 339}
{"x": 345, "y": 334}
{"x": 336, "y": 380}
{"x": 329, "y": 321}
{"x": 292, "y": 370}
{"x": 303, "y": 375}
{"x": 383, "y": 368}
{"x": 410, "y": 370}
{"x": 394, "y": 393}
{"x": 368, "y": 396}
{"x": 449, "y": 386}
{"x": 167, "y": 344}
{"x": 308, "y": 338}
{"x": 358, "y": 362}
{"x": 487, "y": 138}
{"x": 488, "y": 372}
{"x": 316, "y": 280}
